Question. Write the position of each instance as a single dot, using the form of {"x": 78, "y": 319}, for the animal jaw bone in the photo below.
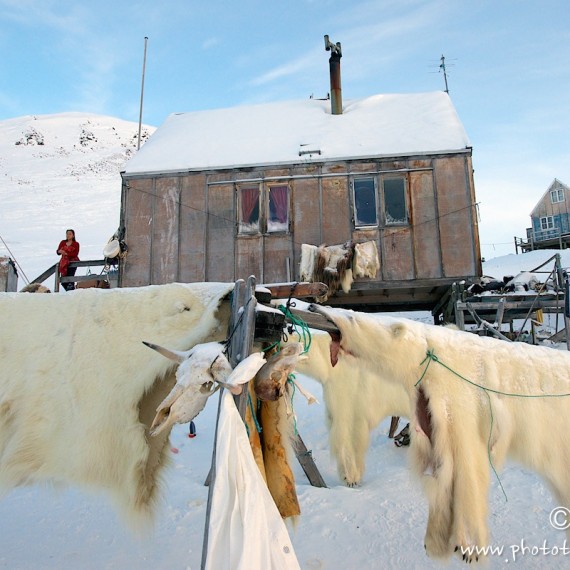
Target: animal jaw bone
{"x": 199, "y": 370}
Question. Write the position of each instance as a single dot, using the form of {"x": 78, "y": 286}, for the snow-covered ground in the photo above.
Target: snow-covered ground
{"x": 377, "y": 525}
{"x": 58, "y": 172}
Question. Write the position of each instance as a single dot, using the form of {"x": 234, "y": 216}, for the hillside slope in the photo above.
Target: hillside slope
{"x": 61, "y": 171}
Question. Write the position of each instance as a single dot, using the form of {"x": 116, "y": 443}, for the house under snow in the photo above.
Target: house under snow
{"x": 222, "y": 194}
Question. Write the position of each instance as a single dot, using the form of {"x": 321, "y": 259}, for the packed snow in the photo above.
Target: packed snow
{"x": 379, "y": 524}
{"x": 405, "y": 124}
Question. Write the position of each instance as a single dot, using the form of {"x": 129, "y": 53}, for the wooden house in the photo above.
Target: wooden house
{"x": 550, "y": 220}
{"x": 221, "y": 194}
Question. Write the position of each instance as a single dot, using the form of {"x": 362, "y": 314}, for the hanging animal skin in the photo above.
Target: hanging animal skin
{"x": 269, "y": 382}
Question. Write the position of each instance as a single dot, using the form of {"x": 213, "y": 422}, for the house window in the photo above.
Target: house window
{"x": 395, "y": 200}
{"x": 557, "y": 195}
{"x": 249, "y": 202}
{"x": 364, "y": 200}
{"x": 278, "y": 208}
{"x": 547, "y": 223}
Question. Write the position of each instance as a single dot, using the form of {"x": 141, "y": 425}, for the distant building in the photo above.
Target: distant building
{"x": 218, "y": 195}
{"x": 550, "y": 220}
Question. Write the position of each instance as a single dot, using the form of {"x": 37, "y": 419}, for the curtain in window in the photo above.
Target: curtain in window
{"x": 249, "y": 201}
{"x": 278, "y": 203}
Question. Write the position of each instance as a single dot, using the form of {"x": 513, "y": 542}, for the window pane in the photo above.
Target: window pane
{"x": 395, "y": 200}
{"x": 278, "y": 218}
{"x": 364, "y": 202}
{"x": 249, "y": 210}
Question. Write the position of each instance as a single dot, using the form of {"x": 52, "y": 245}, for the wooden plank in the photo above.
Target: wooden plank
{"x": 306, "y": 222}
{"x": 297, "y": 290}
{"x": 304, "y": 456}
{"x": 397, "y": 257}
{"x": 423, "y": 214}
{"x": 165, "y": 231}
{"x": 456, "y": 217}
{"x": 336, "y": 217}
{"x": 221, "y": 234}
{"x": 192, "y": 232}
{"x": 315, "y": 320}
{"x": 139, "y": 195}
{"x": 249, "y": 256}
{"x": 276, "y": 251}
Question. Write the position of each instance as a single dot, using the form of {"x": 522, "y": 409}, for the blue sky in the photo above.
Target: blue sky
{"x": 508, "y": 64}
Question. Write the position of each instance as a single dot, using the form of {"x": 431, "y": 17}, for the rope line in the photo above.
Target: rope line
{"x": 253, "y": 413}
{"x": 300, "y": 327}
{"x": 431, "y": 357}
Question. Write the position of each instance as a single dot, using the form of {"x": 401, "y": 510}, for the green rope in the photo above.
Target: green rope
{"x": 290, "y": 379}
{"x": 300, "y": 326}
{"x": 430, "y": 356}
{"x": 253, "y": 414}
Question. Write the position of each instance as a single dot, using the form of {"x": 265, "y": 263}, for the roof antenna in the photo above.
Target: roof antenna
{"x": 442, "y": 67}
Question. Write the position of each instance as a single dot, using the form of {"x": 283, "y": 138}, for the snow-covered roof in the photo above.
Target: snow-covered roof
{"x": 276, "y": 133}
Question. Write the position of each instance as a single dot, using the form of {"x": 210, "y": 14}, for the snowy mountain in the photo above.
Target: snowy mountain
{"x": 58, "y": 172}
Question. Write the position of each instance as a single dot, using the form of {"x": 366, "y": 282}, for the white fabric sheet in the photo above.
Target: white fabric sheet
{"x": 246, "y": 530}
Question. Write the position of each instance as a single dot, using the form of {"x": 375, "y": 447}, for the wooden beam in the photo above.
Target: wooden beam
{"x": 295, "y": 290}
{"x": 315, "y": 320}
{"x": 306, "y": 461}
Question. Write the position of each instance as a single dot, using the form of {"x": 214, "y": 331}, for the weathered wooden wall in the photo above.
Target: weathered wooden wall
{"x": 186, "y": 227}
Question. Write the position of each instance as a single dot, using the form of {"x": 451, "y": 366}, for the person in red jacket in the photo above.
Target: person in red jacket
{"x": 69, "y": 251}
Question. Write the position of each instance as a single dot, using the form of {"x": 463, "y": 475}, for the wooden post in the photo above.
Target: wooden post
{"x": 240, "y": 333}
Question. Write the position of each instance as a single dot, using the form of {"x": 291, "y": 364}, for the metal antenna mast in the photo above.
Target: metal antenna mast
{"x": 442, "y": 67}
{"x": 142, "y": 93}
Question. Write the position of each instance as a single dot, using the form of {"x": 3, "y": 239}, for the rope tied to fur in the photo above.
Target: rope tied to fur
{"x": 299, "y": 326}
{"x": 431, "y": 357}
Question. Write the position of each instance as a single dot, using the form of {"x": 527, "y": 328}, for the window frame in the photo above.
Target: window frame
{"x": 406, "y": 220}
{"x": 266, "y": 191}
{"x": 549, "y": 223}
{"x": 559, "y": 194}
{"x": 353, "y": 181}
{"x": 243, "y": 228}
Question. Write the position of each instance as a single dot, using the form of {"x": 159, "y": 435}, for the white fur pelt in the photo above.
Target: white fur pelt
{"x": 366, "y": 261}
{"x": 356, "y": 402}
{"x": 308, "y": 260}
{"x": 78, "y": 389}
{"x": 451, "y": 424}
{"x": 333, "y": 266}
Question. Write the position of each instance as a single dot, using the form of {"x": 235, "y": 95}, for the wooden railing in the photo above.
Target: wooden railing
{"x": 75, "y": 278}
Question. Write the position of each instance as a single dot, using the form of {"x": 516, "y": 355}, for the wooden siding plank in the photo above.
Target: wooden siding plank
{"x": 423, "y": 214}
{"x": 221, "y": 233}
{"x": 249, "y": 257}
{"x": 306, "y": 222}
{"x": 139, "y": 199}
{"x": 397, "y": 258}
{"x": 337, "y": 223}
{"x": 276, "y": 251}
{"x": 455, "y": 217}
{"x": 165, "y": 228}
{"x": 193, "y": 218}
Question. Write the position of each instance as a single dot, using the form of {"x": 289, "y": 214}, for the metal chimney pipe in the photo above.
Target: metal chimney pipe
{"x": 334, "y": 65}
